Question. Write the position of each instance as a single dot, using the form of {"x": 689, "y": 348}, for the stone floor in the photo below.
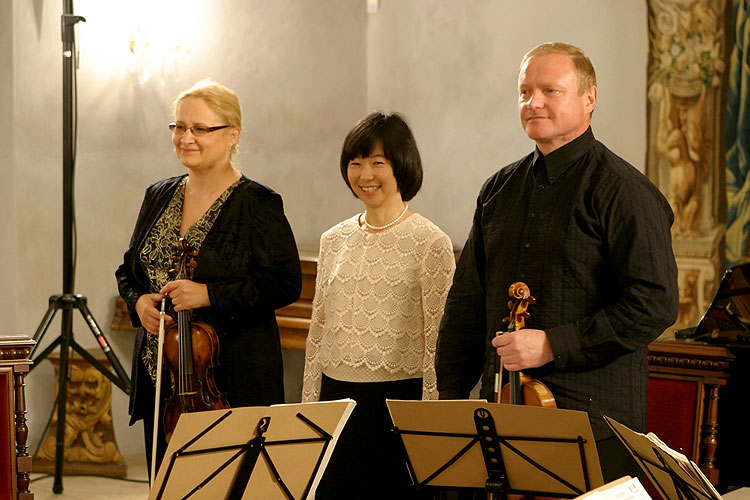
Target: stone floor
{"x": 134, "y": 487}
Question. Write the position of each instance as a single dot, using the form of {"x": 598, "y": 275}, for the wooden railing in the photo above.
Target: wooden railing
{"x": 15, "y": 462}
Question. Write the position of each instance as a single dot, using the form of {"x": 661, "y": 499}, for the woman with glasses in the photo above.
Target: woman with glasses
{"x": 247, "y": 260}
{"x": 383, "y": 276}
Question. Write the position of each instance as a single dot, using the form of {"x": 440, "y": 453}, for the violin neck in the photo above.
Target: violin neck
{"x": 516, "y": 389}
{"x": 514, "y": 378}
{"x": 186, "y": 342}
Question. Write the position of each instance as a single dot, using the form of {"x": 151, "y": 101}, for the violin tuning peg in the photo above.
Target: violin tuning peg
{"x": 531, "y": 300}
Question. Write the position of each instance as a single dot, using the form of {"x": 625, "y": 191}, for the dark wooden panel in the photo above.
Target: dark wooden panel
{"x": 7, "y": 434}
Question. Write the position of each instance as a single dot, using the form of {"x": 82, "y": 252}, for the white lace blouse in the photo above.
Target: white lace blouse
{"x": 378, "y": 302}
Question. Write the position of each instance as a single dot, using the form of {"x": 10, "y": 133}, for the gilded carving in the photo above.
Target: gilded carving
{"x": 685, "y": 77}
{"x": 89, "y": 433}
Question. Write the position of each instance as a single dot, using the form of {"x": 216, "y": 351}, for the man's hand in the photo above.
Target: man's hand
{"x": 523, "y": 349}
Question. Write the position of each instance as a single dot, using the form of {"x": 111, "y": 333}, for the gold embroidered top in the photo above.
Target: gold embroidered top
{"x": 161, "y": 245}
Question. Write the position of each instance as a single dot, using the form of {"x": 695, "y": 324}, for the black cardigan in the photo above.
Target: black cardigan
{"x": 250, "y": 264}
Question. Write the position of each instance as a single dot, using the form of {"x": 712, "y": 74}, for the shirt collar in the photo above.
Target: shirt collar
{"x": 560, "y": 159}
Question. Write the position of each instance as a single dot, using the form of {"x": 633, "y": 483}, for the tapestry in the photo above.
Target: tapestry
{"x": 685, "y": 154}
{"x": 738, "y": 139}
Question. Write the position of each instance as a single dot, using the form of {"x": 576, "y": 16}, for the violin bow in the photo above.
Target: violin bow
{"x": 155, "y": 438}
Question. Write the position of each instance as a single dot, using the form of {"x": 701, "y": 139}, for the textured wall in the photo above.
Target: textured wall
{"x": 452, "y": 68}
{"x": 7, "y": 209}
{"x": 298, "y": 68}
{"x": 305, "y": 71}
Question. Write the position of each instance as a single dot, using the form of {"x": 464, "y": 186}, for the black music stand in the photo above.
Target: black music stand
{"x": 504, "y": 449}
{"x": 672, "y": 473}
{"x": 274, "y": 452}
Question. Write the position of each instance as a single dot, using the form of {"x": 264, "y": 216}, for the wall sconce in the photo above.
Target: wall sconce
{"x": 138, "y": 42}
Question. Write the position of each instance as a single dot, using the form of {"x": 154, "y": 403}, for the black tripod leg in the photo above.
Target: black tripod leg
{"x": 124, "y": 381}
{"x": 62, "y": 397}
{"x": 99, "y": 366}
{"x": 45, "y": 353}
{"x": 42, "y": 329}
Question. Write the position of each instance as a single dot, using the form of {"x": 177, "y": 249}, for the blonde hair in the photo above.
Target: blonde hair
{"x": 582, "y": 64}
{"x": 222, "y": 101}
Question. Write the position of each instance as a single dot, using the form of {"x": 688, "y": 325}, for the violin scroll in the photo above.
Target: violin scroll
{"x": 521, "y": 389}
{"x": 184, "y": 260}
{"x": 521, "y": 299}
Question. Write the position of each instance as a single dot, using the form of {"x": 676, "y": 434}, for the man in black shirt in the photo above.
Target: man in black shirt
{"x": 590, "y": 235}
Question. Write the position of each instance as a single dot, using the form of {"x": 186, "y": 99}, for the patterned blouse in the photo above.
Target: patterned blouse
{"x": 378, "y": 302}
{"x": 161, "y": 245}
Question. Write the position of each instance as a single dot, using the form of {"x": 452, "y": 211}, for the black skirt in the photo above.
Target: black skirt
{"x": 368, "y": 461}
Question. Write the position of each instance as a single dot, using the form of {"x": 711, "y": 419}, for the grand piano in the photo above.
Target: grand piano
{"x": 698, "y": 381}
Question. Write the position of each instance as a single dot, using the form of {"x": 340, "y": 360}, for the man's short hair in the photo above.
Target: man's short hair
{"x": 582, "y": 64}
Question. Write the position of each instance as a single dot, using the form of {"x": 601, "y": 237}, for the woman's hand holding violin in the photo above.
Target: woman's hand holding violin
{"x": 186, "y": 294}
{"x": 147, "y": 308}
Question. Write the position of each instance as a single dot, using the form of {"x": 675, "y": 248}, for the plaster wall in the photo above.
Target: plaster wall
{"x": 7, "y": 209}
{"x": 298, "y": 69}
{"x": 304, "y": 71}
{"x": 452, "y": 68}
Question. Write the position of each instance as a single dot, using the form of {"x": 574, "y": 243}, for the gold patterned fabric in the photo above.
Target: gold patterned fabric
{"x": 161, "y": 245}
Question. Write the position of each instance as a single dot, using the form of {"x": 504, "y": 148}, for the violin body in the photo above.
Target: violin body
{"x": 197, "y": 390}
{"x": 190, "y": 354}
{"x": 533, "y": 393}
{"x": 522, "y": 389}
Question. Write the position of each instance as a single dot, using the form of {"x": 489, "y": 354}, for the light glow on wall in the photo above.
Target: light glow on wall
{"x": 142, "y": 39}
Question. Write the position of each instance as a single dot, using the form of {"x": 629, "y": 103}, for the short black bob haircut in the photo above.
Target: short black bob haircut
{"x": 399, "y": 147}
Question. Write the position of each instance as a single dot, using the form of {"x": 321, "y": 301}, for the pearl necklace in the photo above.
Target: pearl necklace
{"x": 394, "y": 221}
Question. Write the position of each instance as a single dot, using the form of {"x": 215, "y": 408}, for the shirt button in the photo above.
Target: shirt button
{"x": 522, "y": 275}
{"x": 528, "y": 245}
{"x": 533, "y": 215}
{"x": 541, "y": 187}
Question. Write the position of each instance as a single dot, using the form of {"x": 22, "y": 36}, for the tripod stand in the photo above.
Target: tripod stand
{"x": 67, "y": 301}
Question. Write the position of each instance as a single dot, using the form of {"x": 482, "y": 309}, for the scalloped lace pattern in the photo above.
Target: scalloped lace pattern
{"x": 378, "y": 302}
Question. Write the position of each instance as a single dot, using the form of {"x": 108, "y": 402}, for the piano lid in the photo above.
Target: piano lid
{"x": 727, "y": 319}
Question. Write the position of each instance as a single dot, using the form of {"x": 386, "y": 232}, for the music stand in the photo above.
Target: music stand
{"x": 505, "y": 449}
{"x": 672, "y": 473}
{"x": 270, "y": 452}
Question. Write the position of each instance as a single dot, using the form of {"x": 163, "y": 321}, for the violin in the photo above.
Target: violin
{"x": 191, "y": 352}
{"x": 521, "y": 389}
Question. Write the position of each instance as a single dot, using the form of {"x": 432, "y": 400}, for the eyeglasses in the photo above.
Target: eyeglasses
{"x": 196, "y": 130}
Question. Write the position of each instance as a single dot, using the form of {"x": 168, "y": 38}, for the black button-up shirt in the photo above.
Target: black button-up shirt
{"x": 590, "y": 235}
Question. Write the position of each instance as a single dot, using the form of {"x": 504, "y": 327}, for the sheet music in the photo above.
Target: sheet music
{"x": 641, "y": 445}
{"x": 625, "y": 488}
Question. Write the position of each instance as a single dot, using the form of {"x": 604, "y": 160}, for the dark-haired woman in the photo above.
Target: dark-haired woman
{"x": 383, "y": 276}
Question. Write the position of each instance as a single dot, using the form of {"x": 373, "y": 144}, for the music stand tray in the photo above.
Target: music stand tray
{"x": 543, "y": 451}
{"x": 674, "y": 475}
{"x": 269, "y": 452}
